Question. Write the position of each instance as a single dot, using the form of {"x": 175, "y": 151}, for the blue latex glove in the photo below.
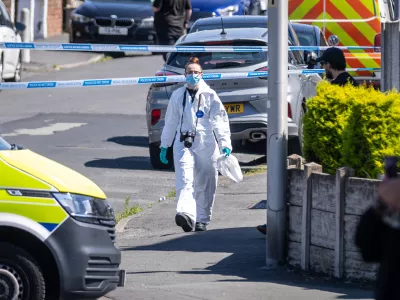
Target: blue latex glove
{"x": 226, "y": 151}
{"x": 163, "y": 155}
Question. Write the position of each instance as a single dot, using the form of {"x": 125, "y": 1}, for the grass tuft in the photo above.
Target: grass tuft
{"x": 128, "y": 211}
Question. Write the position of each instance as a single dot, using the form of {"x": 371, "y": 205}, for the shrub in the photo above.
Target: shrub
{"x": 352, "y": 126}
{"x": 323, "y": 122}
{"x": 372, "y": 132}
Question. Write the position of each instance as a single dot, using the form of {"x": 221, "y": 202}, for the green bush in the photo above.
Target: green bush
{"x": 372, "y": 132}
{"x": 351, "y": 126}
{"x": 324, "y": 120}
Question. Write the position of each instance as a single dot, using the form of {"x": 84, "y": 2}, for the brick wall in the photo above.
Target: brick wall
{"x": 54, "y": 17}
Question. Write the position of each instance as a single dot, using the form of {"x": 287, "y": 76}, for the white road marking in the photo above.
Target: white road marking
{"x": 47, "y": 130}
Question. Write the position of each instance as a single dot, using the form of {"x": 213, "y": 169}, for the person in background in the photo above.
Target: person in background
{"x": 334, "y": 63}
{"x": 197, "y": 120}
{"x": 171, "y": 19}
{"x": 378, "y": 237}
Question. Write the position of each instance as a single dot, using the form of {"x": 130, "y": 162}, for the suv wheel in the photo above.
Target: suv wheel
{"x": 155, "y": 157}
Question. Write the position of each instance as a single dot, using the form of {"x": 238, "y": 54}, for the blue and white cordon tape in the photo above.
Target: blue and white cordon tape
{"x": 148, "y": 80}
{"x": 156, "y": 49}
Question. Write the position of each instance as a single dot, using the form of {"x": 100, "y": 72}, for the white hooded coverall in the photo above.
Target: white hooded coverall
{"x": 195, "y": 168}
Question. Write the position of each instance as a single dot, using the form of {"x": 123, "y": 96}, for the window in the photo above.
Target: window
{"x": 322, "y": 40}
{"x": 4, "y": 145}
{"x": 2, "y": 18}
{"x": 295, "y": 57}
{"x": 5, "y": 17}
{"x": 306, "y": 38}
{"x": 220, "y": 60}
{"x": 291, "y": 59}
{"x": 298, "y": 57}
{"x": 228, "y": 26}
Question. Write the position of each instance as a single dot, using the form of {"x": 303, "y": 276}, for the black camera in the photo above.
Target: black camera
{"x": 188, "y": 139}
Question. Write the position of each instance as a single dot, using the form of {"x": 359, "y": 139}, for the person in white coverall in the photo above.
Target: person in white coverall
{"x": 197, "y": 120}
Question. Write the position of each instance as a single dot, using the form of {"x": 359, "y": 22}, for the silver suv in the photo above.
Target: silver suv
{"x": 245, "y": 99}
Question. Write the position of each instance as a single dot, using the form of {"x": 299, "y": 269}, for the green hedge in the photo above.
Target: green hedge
{"x": 351, "y": 126}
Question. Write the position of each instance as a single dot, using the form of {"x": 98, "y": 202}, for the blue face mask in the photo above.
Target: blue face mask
{"x": 193, "y": 79}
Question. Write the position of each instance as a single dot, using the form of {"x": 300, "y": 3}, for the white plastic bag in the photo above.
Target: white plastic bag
{"x": 229, "y": 167}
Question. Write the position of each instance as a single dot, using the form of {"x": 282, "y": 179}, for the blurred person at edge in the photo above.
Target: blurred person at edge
{"x": 171, "y": 19}
{"x": 197, "y": 120}
{"x": 334, "y": 63}
{"x": 378, "y": 238}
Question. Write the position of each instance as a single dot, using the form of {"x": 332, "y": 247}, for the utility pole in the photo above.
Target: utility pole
{"x": 277, "y": 131}
{"x": 390, "y": 51}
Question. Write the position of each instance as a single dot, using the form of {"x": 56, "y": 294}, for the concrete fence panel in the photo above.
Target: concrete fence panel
{"x": 323, "y": 213}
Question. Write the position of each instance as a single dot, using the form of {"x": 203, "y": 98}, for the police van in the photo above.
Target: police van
{"x": 57, "y": 231}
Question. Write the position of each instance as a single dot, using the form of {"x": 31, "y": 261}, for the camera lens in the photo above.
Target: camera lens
{"x": 188, "y": 142}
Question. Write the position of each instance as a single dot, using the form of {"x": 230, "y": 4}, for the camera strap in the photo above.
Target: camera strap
{"x": 183, "y": 111}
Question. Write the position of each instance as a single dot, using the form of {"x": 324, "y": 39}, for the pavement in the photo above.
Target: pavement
{"x": 45, "y": 61}
{"x": 225, "y": 262}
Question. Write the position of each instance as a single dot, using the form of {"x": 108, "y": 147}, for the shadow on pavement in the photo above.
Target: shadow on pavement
{"x": 247, "y": 261}
{"x": 253, "y": 163}
{"x": 250, "y": 148}
{"x": 135, "y": 141}
{"x": 123, "y": 163}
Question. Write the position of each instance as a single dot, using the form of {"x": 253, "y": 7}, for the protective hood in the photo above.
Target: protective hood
{"x": 59, "y": 176}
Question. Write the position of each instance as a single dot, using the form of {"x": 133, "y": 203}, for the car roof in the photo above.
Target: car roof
{"x": 260, "y": 34}
{"x": 248, "y": 19}
{"x": 232, "y": 19}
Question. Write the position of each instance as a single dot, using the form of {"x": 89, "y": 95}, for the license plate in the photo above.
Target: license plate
{"x": 113, "y": 31}
{"x": 234, "y": 108}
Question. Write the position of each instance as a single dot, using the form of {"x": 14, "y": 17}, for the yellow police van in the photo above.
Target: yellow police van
{"x": 57, "y": 231}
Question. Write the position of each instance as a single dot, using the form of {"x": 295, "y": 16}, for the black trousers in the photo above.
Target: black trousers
{"x": 166, "y": 39}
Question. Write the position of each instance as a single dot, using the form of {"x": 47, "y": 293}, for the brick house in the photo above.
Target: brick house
{"x": 46, "y": 15}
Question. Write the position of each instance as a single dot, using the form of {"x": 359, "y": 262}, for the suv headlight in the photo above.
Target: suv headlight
{"x": 147, "y": 23}
{"x": 80, "y": 18}
{"x": 228, "y": 11}
{"x": 87, "y": 209}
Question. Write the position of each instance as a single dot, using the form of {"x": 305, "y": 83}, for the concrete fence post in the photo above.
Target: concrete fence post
{"x": 26, "y": 34}
{"x": 295, "y": 161}
{"x": 306, "y": 214}
{"x": 341, "y": 175}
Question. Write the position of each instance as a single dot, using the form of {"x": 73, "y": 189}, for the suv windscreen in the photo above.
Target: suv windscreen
{"x": 4, "y": 145}
{"x": 227, "y": 26}
{"x": 220, "y": 60}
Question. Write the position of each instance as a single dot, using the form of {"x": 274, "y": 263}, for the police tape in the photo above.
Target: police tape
{"x": 157, "y": 49}
{"x": 150, "y": 80}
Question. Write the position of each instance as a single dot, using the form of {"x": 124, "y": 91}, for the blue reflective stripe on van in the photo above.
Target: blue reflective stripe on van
{"x": 49, "y": 226}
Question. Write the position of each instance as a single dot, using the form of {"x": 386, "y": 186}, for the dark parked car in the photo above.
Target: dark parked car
{"x": 113, "y": 22}
{"x": 216, "y": 8}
